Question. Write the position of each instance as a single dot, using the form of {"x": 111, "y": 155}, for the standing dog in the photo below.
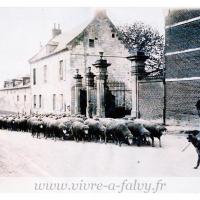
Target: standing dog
{"x": 194, "y": 140}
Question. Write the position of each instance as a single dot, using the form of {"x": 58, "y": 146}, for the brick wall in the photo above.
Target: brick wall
{"x": 183, "y": 37}
{"x": 181, "y": 99}
{"x": 151, "y": 99}
{"x": 183, "y": 65}
{"x": 178, "y": 15}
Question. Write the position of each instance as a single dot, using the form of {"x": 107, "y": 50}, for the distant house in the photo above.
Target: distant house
{"x": 15, "y": 95}
{"x": 53, "y": 67}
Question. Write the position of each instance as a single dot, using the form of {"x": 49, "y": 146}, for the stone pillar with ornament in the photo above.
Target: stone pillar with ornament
{"x": 137, "y": 72}
{"x": 89, "y": 87}
{"x": 78, "y": 85}
{"x": 101, "y": 79}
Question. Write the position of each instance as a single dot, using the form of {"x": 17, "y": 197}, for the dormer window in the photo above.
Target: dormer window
{"x": 113, "y": 35}
{"x": 91, "y": 43}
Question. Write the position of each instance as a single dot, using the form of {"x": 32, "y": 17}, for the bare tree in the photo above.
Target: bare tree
{"x": 142, "y": 37}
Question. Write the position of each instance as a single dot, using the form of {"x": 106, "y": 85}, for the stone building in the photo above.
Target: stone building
{"x": 15, "y": 95}
{"x": 54, "y": 66}
{"x": 182, "y": 33}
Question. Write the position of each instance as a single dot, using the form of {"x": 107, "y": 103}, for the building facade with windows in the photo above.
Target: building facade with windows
{"x": 15, "y": 96}
{"x": 54, "y": 66}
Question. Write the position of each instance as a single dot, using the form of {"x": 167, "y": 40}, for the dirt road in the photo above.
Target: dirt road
{"x": 22, "y": 155}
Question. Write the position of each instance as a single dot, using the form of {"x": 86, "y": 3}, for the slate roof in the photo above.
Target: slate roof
{"x": 63, "y": 41}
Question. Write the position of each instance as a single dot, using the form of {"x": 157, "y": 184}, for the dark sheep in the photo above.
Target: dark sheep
{"x": 4, "y": 124}
{"x": 105, "y": 121}
{"x": 62, "y": 129}
{"x": 51, "y": 128}
{"x": 10, "y": 123}
{"x": 37, "y": 127}
{"x": 119, "y": 132}
{"x": 140, "y": 133}
{"x": 97, "y": 131}
{"x": 20, "y": 124}
{"x": 80, "y": 131}
{"x": 65, "y": 129}
{"x": 156, "y": 131}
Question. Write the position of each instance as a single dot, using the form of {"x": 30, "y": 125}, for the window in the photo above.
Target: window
{"x": 34, "y": 101}
{"x": 54, "y": 101}
{"x": 113, "y": 35}
{"x": 24, "y": 98}
{"x": 40, "y": 101}
{"x": 61, "y": 102}
{"x": 91, "y": 43}
{"x": 61, "y": 70}
{"x": 45, "y": 73}
{"x": 17, "y": 97}
{"x": 34, "y": 76}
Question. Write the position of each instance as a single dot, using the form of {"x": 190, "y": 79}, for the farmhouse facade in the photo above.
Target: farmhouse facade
{"x": 54, "y": 66}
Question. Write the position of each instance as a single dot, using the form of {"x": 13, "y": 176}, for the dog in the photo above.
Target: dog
{"x": 196, "y": 143}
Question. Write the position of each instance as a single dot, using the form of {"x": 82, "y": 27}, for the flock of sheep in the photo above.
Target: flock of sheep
{"x": 80, "y": 128}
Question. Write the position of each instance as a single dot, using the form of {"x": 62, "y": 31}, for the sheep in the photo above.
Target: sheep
{"x": 156, "y": 130}
{"x": 140, "y": 133}
{"x": 97, "y": 131}
{"x": 119, "y": 133}
{"x": 79, "y": 131}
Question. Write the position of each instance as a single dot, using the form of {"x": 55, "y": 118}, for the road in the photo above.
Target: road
{"x": 24, "y": 156}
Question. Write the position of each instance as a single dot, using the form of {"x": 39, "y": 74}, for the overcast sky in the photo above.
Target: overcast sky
{"x": 22, "y": 30}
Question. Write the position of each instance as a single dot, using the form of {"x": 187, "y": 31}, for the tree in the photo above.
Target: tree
{"x": 142, "y": 37}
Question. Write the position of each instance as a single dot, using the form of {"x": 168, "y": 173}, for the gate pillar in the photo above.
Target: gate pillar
{"x": 78, "y": 85}
{"x": 137, "y": 71}
{"x": 89, "y": 86}
{"x": 101, "y": 78}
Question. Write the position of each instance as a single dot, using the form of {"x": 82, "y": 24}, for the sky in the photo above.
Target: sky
{"x": 22, "y": 30}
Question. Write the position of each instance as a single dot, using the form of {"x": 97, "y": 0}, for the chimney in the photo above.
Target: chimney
{"x": 56, "y": 31}
{"x": 25, "y": 80}
{"x": 100, "y": 13}
{"x": 5, "y": 84}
